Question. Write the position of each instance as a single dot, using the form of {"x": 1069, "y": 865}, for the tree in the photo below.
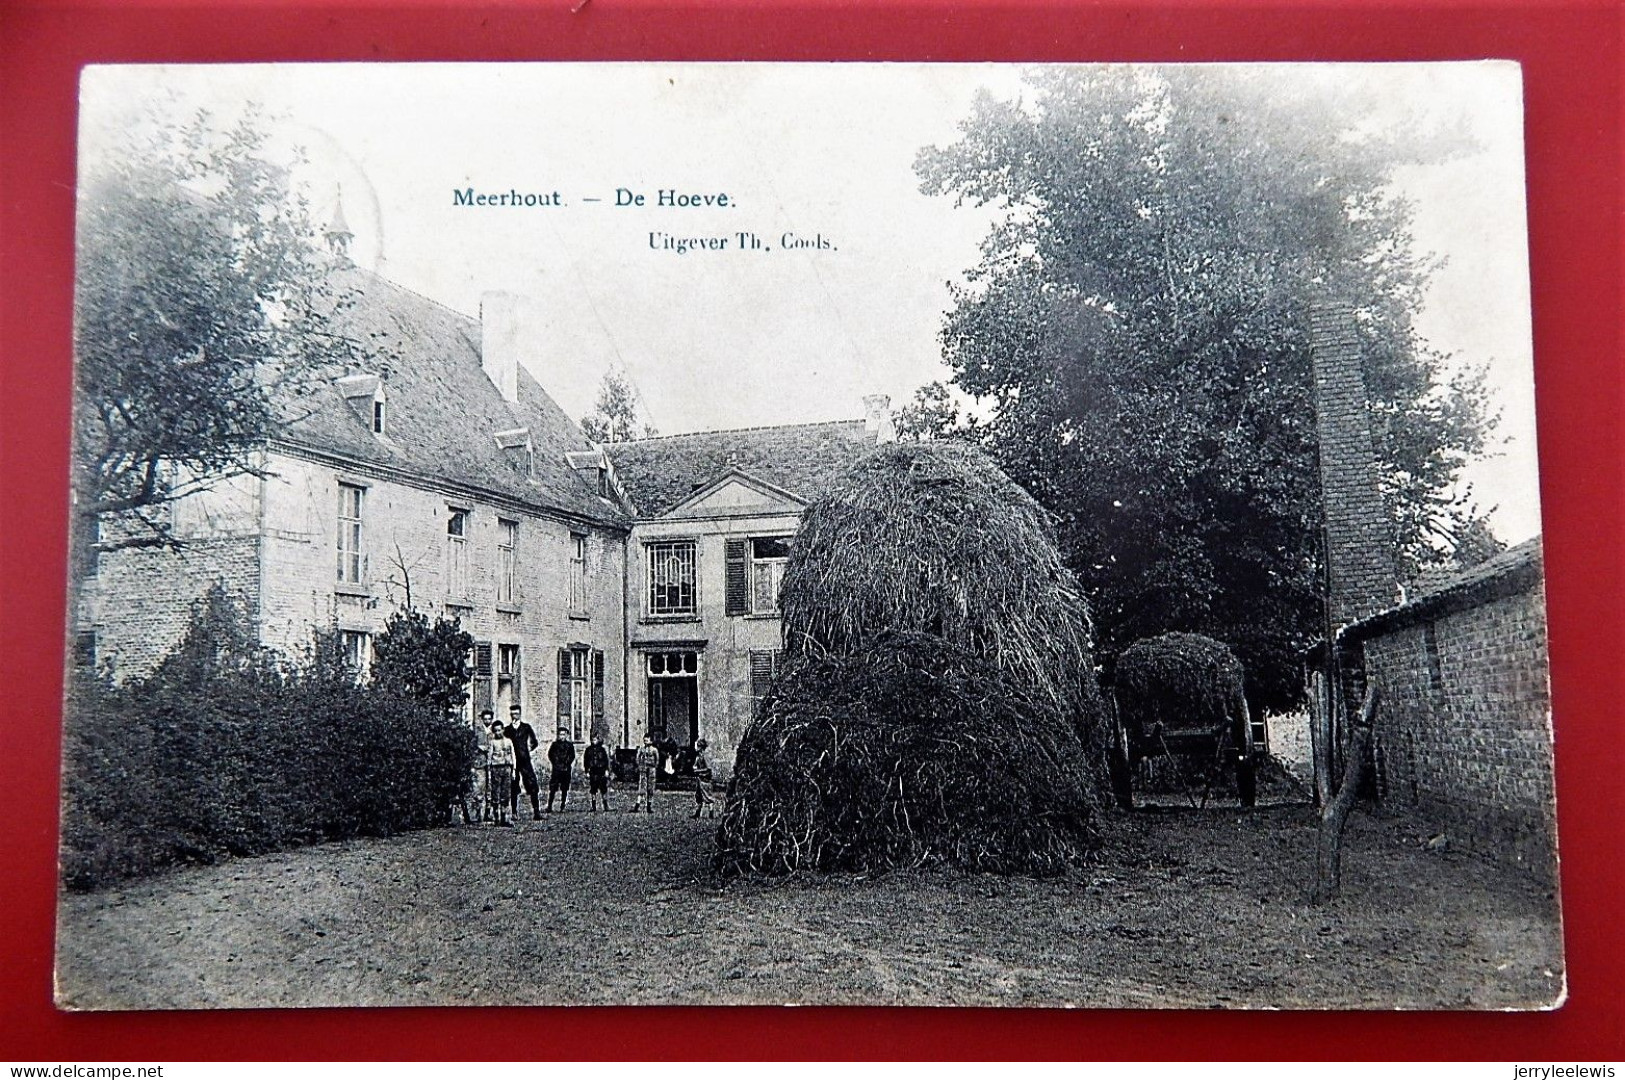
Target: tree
{"x": 202, "y": 308}
{"x": 615, "y": 417}
{"x": 424, "y": 660}
{"x": 1137, "y": 329}
{"x": 934, "y": 415}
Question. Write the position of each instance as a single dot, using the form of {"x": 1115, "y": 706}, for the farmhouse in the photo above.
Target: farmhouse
{"x": 714, "y": 516}
{"x": 609, "y": 591}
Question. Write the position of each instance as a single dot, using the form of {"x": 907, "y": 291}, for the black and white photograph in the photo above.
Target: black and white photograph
{"x": 805, "y": 533}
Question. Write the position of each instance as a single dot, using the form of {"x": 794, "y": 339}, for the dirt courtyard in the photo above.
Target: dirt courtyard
{"x": 1189, "y": 908}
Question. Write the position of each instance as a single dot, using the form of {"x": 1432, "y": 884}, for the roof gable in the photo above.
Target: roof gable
{"x": 797, "y": 460}
{"x": 737, "y": 494}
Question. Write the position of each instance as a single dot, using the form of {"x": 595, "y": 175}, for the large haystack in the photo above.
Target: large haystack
{"x": 935, "y": 539}
{"x": 907, "y": 752}
{"x": 939, "y": 699}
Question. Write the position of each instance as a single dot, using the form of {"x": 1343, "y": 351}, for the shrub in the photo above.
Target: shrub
{"x": 225, "y": 751}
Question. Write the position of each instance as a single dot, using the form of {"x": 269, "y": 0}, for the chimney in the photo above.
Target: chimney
{"x": 499, "y": 342}
{"x": 877, "y": 418}
{"x": 1361, "y": 579}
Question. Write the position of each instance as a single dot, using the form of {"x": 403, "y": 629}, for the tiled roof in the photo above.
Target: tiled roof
{"x": 802, "y": 459}
{"x": 1514, "y": 570}
{"x": 442, "y": 411}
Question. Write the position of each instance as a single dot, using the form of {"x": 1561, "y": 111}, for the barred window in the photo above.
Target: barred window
{"x": 671, "y": 566}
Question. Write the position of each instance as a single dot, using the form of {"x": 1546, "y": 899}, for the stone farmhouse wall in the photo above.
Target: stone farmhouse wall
{"x": 405, "y": 544}
{"x": 1464, "y": 734}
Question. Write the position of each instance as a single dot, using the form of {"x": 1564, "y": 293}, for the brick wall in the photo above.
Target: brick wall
{"x": 1359, "y": 541}
{"x": 1465, "y": 734}
{"x": 139, "y": 601}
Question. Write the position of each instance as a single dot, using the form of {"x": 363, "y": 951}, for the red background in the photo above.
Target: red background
{"x": 1571, "y": 69}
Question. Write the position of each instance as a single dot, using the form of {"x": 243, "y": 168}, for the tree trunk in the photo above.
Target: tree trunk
{"x": 1320, "y": 735}
{"x": 1334, "y": 815}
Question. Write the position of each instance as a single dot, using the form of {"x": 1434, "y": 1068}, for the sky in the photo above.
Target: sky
{"x": 820, "y": 154}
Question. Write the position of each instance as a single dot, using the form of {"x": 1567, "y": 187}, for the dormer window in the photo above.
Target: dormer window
{"x": 516, "y": 445}
{"x": 365, "y": 396}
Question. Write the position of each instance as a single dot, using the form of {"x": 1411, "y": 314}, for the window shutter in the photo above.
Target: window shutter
{"x": 763, "y": 666}
{"x": 482, "y": 659}
{"x": 597, "y": 687}
{"x": 564, "y": 687}
{"x": 738, "y": 565}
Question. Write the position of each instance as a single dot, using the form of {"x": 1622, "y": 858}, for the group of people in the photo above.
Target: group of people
{"x": 508, "y": 768}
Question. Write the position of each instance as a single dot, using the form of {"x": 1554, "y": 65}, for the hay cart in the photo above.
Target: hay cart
{"x": 1179, "y": 699}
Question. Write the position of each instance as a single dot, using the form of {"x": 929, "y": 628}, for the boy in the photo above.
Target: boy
{"x": 702, "y": 782}
{"x": 597, "y": 763}
{"x": 648, "y": 761}
{"x": 498, "y": 774}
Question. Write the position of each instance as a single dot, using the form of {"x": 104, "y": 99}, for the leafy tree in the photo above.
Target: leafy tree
{"x": 1137, "y": 329}
{"x": 202, "y": 305}
{"x": 933, "y": 415}
{"x": 615, "y": 417}
{"x": 423, "y": 660}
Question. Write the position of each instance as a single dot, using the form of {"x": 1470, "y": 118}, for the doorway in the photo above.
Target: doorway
{"x": 674, "y": 708}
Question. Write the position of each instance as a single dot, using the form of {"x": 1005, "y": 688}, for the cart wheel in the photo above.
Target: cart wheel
{"x": 1246, "y": 760}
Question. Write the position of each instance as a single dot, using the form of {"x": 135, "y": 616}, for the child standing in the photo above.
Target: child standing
{"x": 702, "y": 782}
{"x": 648, "y": 761}
{"x": 498, "y": 775}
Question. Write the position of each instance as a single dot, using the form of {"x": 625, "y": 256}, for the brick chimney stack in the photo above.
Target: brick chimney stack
{"x": 1361, "y": 578}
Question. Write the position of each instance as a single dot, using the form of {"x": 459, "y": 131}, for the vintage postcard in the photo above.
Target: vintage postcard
{"x": 916, "y": 534}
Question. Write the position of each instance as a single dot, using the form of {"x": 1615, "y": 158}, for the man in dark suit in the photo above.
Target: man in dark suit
{"x": 524, "y": 741}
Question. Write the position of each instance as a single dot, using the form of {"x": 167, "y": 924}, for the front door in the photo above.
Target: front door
{"x": 674, "y": 709}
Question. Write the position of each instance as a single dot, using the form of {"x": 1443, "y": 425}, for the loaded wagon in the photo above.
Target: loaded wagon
{"x": 1179, "y": 698}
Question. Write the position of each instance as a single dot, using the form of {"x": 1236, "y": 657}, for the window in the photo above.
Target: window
{"x": 754, "y": 573}
{"x": 378, "y": 416}
{"x": 351, "y": 562}
{"x": 507, "y": 562}
{"x": 764, "y": 668}
{"x": 1430, "y": 653}
{"x": 581, "y": 690}
{"x": 508, "y": 674}
{"x": 457, "y": 554}
{"x": 578, "y": 573}
{"x": 356, "y": 648}
{"x": 480, "y": 697}
{"x": 84, "y": 649}
{"x": 768, "y": 556}
{"x": 671, "y": 578}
